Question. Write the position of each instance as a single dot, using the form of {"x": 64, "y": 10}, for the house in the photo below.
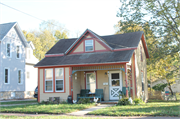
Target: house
{"x": 18, "y": 77}
{"x": 113, "y": 63}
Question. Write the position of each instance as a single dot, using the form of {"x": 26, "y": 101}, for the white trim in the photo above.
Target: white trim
{"x": 94, "y": 77}
{"x": 21, "y": 76}
{"x": 55, "y": 54}
{"x": 20, "y": 51}
{"x": 8, "y": 75}
{"x": 89, "y": 45}
{"x": 59, "y": 80}
{"x": 10, "y": 50}
{"x": 48, "y": 79}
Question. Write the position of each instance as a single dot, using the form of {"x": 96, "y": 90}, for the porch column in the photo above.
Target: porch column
{"x": 125, "y": 67}
{"x": 70, "y": 82}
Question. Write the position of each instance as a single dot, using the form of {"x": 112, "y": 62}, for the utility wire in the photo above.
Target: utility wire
{"x": 28, "y": 14}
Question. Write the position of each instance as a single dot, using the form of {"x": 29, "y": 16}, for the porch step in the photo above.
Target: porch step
{"x": 109, "y": 102}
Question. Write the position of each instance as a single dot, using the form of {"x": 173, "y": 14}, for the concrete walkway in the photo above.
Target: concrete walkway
{"x": 18, "y": 100}
{"x": 85, "y": 111}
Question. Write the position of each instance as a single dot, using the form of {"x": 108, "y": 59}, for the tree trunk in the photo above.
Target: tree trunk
{"x": 170, "y": 89}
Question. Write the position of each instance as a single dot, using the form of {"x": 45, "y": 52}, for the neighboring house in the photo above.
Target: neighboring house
{"x": 18, "y": 78}
{"x": 113, "y": 63}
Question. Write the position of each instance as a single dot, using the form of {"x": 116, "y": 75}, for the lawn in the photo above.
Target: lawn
{"x": 153, "y": 108}
{"x": 18, "y": 102}
{"x": 46, "y": 108}
{"x": 49, "y": 117}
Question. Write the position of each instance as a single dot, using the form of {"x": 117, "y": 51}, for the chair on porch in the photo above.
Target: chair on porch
{"x": 99, "y": 94}
{"x": 83, "y": 93}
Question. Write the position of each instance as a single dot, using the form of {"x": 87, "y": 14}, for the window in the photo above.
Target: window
{"x": 20, "y": 74}
{"x": 59, "y": 80}
{"x": 91, "y": 82}
{"x": 48, "y": 80}
{"x": 8, "y": 50}
{"x": 142, "y": 79}
{"x": 141, "y": 54}
{"x": 89, "y": 45}
{"x": 18, "y": 55}
{"x": 6, "y": 76}
{"x": 27, "y": 75}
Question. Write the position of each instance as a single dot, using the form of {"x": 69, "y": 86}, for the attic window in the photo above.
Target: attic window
{"x": 89, "y": 45}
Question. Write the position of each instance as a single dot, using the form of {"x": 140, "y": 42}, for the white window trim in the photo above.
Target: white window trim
{"x": 8, "y": 75}
{"x": 21, "y": 76}
{"x": 48, "y": 80}
{"x": 59, "y": 79}
{"x": 91, "y": 83}
{"x": 19, "y": 52}
{"x": 10, "y": 50}
{"x": 89, "y": 45}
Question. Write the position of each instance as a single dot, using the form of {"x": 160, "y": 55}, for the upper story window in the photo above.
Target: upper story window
{"x": 89, "y": 46}
{"x": 48, "y": 80}
{"x": 8, "y": 50}
{"x": 18, "y": 52}
{"x": 6, "y": 76}
{"x": 141, "y": 54}
{"x": 20, "y": 75}
{"x": 59, "y": 80}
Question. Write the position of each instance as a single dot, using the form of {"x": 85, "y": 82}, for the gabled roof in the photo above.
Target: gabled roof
{"x": 6, "y": 27}
{"x": 122, "y": 45}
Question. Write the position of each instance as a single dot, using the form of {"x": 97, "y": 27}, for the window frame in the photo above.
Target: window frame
{"x": 141, "y": 53}
{"x": 21, "y": 76}
{"x": 8, "y": 75}
{"x": 89, "y": 45}
{"x": 48, "y": 79}
{"x": 91, "y": 83}
{"x": 9, "y": 51}
{"x": 19, "y": 52}
{"x": 59, "y": 79}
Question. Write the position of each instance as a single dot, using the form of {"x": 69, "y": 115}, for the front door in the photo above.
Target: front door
{"x": 115, "y": 84}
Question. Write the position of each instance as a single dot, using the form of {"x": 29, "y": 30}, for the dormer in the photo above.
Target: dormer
{"x": 88, "y": 42}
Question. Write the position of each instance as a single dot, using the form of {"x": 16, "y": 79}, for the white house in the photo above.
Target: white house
{"x": 18, "y": 77}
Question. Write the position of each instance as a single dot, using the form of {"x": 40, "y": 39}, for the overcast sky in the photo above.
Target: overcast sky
{"x": 76, "y": 15}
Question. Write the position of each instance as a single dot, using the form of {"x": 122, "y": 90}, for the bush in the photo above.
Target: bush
{"x": 137, "y": 101}
{"x": 123, "y": 101}
{"x": 84, "y": 101}
{"x": 64, "y": 102}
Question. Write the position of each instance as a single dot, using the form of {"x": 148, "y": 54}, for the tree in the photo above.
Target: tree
{"x": 163, "y": 17}
{"x": 46, "y": 37}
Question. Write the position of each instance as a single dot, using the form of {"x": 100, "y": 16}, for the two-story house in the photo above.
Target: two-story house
{"x": 113, "y": 63}
{"x": 18, "y": 77}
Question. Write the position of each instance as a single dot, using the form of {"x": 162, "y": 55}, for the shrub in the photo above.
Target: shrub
{"x": 137, "y": 101}
{"x": 123, "y": 101}
{"x": 64, "y": 102}
{"x": 84, "y": 101}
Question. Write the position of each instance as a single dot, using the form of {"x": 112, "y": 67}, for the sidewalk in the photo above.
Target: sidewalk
{"x": 6, "y": 105}
{"x": 17, "y": 100}
{"x": 85, "y": 111}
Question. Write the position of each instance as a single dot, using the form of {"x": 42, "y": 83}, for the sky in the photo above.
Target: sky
{"x": 75, "y": 15}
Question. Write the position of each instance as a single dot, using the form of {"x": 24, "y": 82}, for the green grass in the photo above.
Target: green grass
{"x": 48, "y": 117}
{"x": 18, "y": 102}
{"x": 46, "y": 108}
{"x": 153, "y": 108}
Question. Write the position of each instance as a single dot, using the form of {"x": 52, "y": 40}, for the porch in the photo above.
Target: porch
{"x": 110, "y": 78}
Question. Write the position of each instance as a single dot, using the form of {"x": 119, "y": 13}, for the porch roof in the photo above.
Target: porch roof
{"x": 87, "y": 58}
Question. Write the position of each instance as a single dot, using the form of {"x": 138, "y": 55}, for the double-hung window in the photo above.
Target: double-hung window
{"x": 59, "y": 80}
{"x": 48, "y": 80}
{"x": 20, "y": 75}
{"x": 8, "y": 50}
{"x": 142, "y": 79}
{"x": 6, "y": 75}
{"x": 18, "y": 52}
{"x": 91, "y": 82}
{"x": 89, "y": 46}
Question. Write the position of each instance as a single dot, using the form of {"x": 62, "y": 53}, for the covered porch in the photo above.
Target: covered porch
{"x": 110, "y": 78}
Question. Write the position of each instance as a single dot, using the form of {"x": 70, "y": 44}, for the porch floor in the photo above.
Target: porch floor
{"x": 109, "y": 102}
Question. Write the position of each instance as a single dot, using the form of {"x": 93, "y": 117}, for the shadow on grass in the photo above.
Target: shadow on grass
{"x": 145, "y": 110}
{"x": 44, "y": 109}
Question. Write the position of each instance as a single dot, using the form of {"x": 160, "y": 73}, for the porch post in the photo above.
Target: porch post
{"x": 125, "y": 67}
